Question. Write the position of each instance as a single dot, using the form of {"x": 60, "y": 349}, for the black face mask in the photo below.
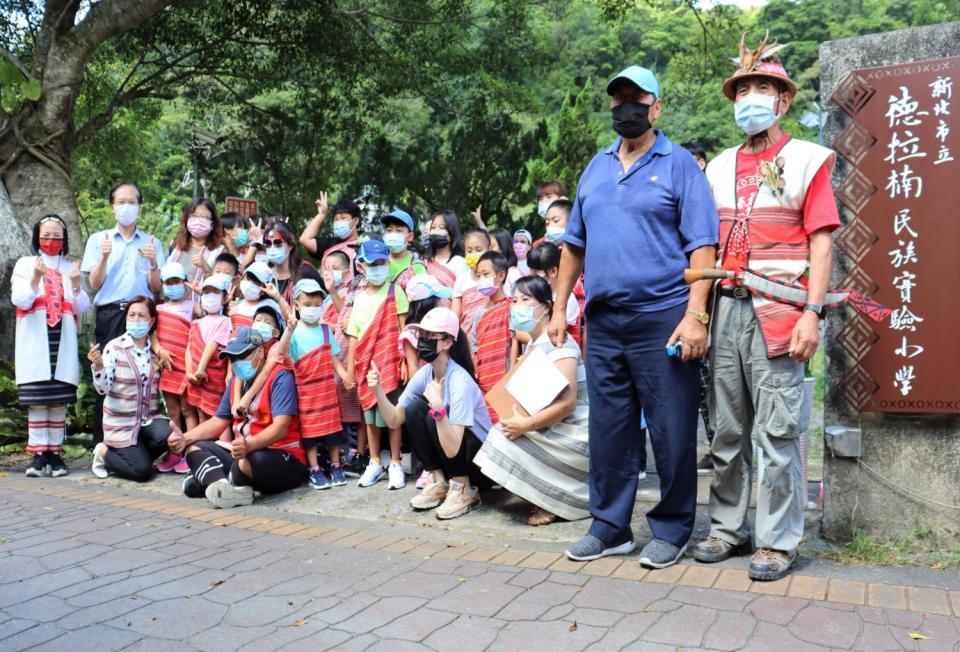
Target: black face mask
{"x": 439, "y": 241}
{"x": 630, "y": 119}
{"x": 427, "y": 349}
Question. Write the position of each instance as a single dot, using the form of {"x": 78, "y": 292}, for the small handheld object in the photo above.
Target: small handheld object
{"x": 675, "y": 350}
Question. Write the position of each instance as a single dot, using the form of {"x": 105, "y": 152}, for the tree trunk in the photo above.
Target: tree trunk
{"x": 14, "y": 243}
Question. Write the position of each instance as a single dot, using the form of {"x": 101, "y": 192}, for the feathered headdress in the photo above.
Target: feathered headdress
{"x": 761, "y": 61}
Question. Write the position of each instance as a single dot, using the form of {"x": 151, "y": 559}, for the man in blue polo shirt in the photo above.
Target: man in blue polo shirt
{"x": 643, "y": 213}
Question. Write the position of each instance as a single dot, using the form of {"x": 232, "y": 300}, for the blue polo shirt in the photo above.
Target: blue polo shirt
{"x": 127, "y": 273}
{"x": 638, "y": 227}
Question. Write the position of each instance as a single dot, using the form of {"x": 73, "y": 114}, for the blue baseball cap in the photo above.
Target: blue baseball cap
{"x": 399, "y": 215}
{"x": 306, "y": 286}
{"x": 245, "y": 341}
{"x": 639, "y": 76}
{"x": 373, "y": 250}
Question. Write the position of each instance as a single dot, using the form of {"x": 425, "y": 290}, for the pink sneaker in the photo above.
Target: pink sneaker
{"x": 169, "y": 463}
{"x": 182, "y": 466}
{"x": 424, "y": 479}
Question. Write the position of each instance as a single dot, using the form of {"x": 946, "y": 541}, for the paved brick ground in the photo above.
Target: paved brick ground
{"x": 95, "y": 569}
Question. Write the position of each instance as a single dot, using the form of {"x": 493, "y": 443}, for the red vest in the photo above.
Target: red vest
{"x": 261, "y": 417}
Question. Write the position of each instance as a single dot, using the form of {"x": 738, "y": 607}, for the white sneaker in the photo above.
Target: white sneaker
{"x": 397, "y": 478}
{"x": 98, "y": 467}
{"x": 371, "y": 475}
{"x": 223, "y": 494}
{"x": 642, "y": 475}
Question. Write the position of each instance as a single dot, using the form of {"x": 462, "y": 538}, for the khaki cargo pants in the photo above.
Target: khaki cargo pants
{"x": 751, "y": 393}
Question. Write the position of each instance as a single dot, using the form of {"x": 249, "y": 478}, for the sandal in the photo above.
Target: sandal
{"x": 540, "y": 516}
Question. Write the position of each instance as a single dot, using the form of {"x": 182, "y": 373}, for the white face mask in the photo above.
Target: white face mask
{"x": 212, "y": 302}
{"x": 250, "y": 290}
{"x": 126, "y": 214}
{"x": 265, "y": 330}
{"x": 261, "y": 258}
{"x": 311, "y": 314}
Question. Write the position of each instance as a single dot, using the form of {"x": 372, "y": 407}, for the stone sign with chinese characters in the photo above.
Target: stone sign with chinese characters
{"x": 904, "y": 190}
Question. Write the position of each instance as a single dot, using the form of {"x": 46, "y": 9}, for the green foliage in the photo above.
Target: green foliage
{"x": 16, "y": 88}
{"x": 922, "y": 547}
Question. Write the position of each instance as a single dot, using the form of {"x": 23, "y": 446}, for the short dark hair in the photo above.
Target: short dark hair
{"x": 544, "y": 257}
{"x": 120, "y": 184}
{"x": 697, "y": 150}
{"x": 552, "y": 184}
{"x": 272, "y": 313}
{"x": 347, "y": 207}
{"x": 35, "y": 240}
{"x": 339, "y": 254}
{"x": 232, "y": 219}
{"x": 229, "y": 258}
{"x": 536, "y": 287}
{"x": 476, "y": 230}
{"x": 497, "y": 259}
{"x": 563, "y": 204}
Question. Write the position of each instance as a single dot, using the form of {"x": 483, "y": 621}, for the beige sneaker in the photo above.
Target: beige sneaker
{"x": 430, "y": 496}
{"x": 460, "y": 500}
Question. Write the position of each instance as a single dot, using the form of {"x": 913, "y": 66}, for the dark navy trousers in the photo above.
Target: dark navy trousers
{"x": 628, "y": 369}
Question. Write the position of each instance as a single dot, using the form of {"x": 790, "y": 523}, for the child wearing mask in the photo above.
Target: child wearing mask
{"x": 466, "y": 299}
{"x": 314, "y": 351}
{"x": 398, "y": 232}
{"x": 490, "y": 335}
{"x": 236, "y": 232}
{"x": 502, "y": 242}
{"x": 373, "y": 331}
{"x": 256, "y": 289}
{"x": 206, "y": 372}
{"x": 555, "y": 221}
{"x": 522, "y": 241}
{"x": 444, "y": 255}
{"x": 174, "y": 316}
{"x": 341, "y": 285}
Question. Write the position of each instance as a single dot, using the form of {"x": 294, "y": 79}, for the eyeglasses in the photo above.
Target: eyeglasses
{"x": 275, "y": 243}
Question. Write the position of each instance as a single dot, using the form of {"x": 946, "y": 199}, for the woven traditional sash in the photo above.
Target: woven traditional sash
{"x": 379, "y": 344}
{"x": 317, "y": 402}
{"x": 173, "y": 331}
{"x": 207, "y": 396}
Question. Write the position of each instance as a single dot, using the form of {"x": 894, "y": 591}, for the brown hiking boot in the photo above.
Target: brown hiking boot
{"x": 713, "y": 549}
{"x": 431, "y": 496}
{"x": 768, "y": 565}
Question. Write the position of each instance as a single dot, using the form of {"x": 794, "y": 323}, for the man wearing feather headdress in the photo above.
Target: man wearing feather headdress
{"x": 777, "y": 211}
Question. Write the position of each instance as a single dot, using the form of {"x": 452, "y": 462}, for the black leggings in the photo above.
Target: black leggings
{"x": 136, "y": 462}
{"x": 273, "y": 470}
{"x": 427, "y": 448}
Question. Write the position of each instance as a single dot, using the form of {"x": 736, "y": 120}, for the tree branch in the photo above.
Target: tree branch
{"x": 110, "y": 18}
{"x": 12, "y": 58}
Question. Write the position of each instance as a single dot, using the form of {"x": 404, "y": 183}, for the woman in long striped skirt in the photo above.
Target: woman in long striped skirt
{"x": 45, "y": 288}
{"x": 543, "y": 458}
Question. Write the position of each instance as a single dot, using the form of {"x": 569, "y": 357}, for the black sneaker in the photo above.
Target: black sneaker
{"x": 38, "y": 466}
{"x": 192, "y": 487}
{"x": 355, "y": 465}
{"x": 57, "y": 468}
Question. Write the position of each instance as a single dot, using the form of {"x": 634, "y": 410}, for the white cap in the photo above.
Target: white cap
{"x": 219, "y": 281}
{"x": 261, "y": 270}
{"x": 172, "y": 270}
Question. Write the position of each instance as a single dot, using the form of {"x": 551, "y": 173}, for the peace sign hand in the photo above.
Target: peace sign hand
{"x": 321, "y": 205}
{"x": 256, "y": 230}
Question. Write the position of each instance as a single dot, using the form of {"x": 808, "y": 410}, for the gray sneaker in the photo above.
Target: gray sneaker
{"x": 222, "y": 494}
{"x": 660, "y": 554}
{"x": 590, "y": 547}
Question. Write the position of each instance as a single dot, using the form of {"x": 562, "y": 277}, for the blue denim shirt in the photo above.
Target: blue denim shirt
{"x": 637, "y": 227}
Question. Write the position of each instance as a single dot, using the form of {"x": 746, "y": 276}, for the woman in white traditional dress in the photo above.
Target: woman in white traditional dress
{"x": 45, "y": 288}
{"x": 543, "y": 458}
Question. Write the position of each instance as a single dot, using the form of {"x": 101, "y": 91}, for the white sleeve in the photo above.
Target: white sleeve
{"x": 21, "y": 292}
{"x": 573, "y": 310}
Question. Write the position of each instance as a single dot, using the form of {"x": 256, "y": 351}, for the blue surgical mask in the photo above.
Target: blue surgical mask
{"x": 396, "y": 242}
{"x": 522, "y": 319}
{"x": 555, "y": 234}
{"x": 138, "y": 329}
{"x": 377, "y": 275}
{"x": 754, "y": 113}
{"x": 337, "y": 277}
{"x": 265, "y": 330}
{"x": 241, "y": 238}
{"x": 311, "y": 314}
{"x": 244, "y": 370}
{"x": 543, "y": 206}
{"x": 174, "y": 292}
{"x": 342, "y": 228}
{"x": 277, "y": 255}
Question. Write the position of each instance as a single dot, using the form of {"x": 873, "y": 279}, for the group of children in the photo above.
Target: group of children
{"x": 372, "y": 289}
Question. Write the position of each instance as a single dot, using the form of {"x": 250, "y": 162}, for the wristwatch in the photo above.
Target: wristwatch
{"x": 702, "y": 317}
{"x": 815, "y": 308}
{"x": 437, "y": 413}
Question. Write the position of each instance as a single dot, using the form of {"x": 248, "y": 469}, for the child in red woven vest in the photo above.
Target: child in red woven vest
{"x": 206, "y": 373}
{"x": 466, "y": 298}
{"x": 314, "y": 349}
{"x": 174, "y": 316}
{"x": 372, "y": 334}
